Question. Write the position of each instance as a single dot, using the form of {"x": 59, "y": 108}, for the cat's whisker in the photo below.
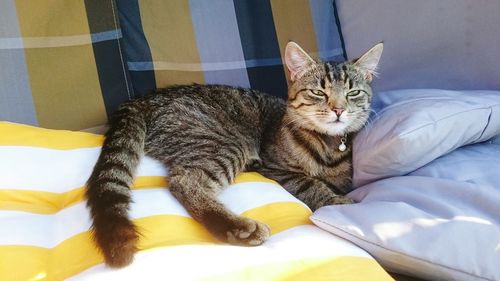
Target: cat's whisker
{"x": 371, "y": 119}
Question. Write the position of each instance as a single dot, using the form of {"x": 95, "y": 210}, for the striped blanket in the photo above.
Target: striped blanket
{"x": 44, "y": 232}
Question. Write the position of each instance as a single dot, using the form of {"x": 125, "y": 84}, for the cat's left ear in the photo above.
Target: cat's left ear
{"x": 369, "y": 61}
{"x": 297, "y": 60}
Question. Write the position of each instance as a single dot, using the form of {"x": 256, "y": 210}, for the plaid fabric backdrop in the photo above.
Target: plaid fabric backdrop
{"x": 60, "y": 62}
{"x": 68, "y": 64}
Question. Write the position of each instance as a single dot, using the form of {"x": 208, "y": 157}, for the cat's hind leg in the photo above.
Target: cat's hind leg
{"x": 196, "y": 191}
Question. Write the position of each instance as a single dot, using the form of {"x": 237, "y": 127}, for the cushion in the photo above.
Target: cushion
{"x": 61, "y": 63}
{"x": 410, "y": 128}
{"x": 238, "y": 43}
{"x": 427, "y": 44}
{"x": 45, "y": 224}
{"x": 440, "y": 222}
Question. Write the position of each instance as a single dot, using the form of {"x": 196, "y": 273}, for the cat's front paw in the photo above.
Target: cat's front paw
{"x": 340, "y": 200}
{"x": 247, "y": 232}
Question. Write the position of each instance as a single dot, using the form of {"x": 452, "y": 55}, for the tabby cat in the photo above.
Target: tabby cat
{"x": 207, "y": 134}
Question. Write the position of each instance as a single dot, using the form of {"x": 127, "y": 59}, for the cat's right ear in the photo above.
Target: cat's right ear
{"x": 368, "y": 62}
{"x": 297, "y": 60}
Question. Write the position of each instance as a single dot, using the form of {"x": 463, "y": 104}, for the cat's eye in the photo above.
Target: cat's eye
{"x": 355, "y": 93}
{"x": 318, "y": 93}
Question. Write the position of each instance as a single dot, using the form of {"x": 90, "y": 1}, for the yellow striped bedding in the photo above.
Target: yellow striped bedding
{"x": 44, "y": 232}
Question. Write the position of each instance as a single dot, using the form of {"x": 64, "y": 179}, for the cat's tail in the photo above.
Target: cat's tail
{"x": 108, "y": 188}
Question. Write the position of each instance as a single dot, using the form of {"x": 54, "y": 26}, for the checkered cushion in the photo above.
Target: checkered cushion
{"x": 61, "y": 63}
{"x": 235, "y": 42}
{"x": 65, "y": 64}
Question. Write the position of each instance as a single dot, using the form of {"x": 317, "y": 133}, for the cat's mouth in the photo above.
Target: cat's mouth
{"x": 336, "y": 122}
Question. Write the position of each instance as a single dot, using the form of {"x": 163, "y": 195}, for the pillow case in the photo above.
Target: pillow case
{"x": 441, "y": 222}
{"x": 410, "y": 128}
{"x": 45, "y": 225}
{"x": 427, "y": 44}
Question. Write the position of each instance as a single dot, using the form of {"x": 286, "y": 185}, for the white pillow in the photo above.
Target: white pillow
{"x": 413, "y": 127}
{"x": 441, "y": 222}
{"x": 428, "y": 204}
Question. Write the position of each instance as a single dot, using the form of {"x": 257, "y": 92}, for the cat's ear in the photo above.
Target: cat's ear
{"x": 369, "y": 61}
{"x": 296, "y": 59}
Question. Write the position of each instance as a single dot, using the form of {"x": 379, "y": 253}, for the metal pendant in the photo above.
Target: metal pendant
{"x": 342, "y": 146}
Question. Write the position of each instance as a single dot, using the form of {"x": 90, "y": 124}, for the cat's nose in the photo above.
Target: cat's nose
{"x": 338, "y": 111}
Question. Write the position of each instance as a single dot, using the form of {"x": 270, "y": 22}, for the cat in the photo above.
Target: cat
{"x": 207, "y": 134}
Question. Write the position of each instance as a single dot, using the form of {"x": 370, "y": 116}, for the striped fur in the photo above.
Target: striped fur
{"x": 207, "y": 134}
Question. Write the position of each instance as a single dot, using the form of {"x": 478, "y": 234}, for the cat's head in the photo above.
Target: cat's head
{"x": 330, "y": 98}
